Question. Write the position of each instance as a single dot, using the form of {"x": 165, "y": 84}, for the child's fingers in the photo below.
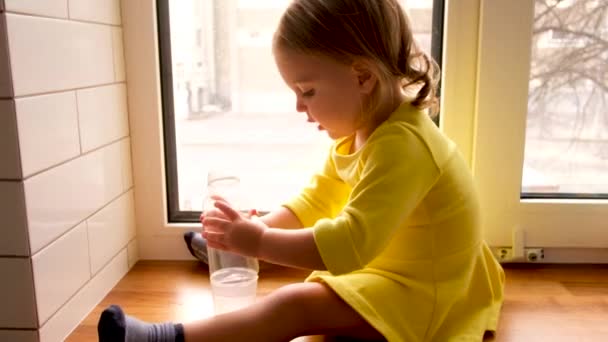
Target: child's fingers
{"x": 214, "y": 223}
{"x": 228, "y": 211}
{"x": 218, "y": 198}
{"x": 215, "y": 239}
{"x": 217, "y": 245}
{"x": 214, "y": 212}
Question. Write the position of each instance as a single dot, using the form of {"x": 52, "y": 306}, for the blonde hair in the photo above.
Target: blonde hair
{"x": 377, "y": 30}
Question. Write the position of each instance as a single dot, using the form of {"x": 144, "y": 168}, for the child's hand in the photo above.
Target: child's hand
{"x": 213, "y": 212}
{"x": 234, "y": 232}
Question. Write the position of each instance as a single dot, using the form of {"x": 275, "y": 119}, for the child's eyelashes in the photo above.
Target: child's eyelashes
{"x": 308, "y": 93}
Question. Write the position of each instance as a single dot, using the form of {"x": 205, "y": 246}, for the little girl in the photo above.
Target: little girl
{"x": 391, "y": 224}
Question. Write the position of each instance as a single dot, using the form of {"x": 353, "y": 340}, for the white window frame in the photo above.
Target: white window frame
{"x": 571, "y": 230}
{"x": 486, "y": 49}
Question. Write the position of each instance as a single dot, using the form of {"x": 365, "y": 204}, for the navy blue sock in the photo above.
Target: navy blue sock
{"x": 179, "y": 333}
{"x": 115, "y": 326}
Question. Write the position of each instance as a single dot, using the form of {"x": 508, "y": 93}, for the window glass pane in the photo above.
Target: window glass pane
{"x": 232, "y": 109}
{"x": 567, "y": 126}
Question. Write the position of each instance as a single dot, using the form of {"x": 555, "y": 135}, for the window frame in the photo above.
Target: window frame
{"x": 463, "y": 120}
{"x": 510, "y": 218}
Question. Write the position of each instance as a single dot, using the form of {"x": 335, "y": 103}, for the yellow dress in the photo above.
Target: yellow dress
{"x": 397, "y": 226}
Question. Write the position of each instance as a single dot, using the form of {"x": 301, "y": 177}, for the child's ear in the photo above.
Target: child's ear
{"x": 366, "y": 77}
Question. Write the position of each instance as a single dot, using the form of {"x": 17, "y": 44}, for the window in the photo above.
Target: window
{"x": 539, "y": 130}
{"x": 566, "y": 151}
{"x": 225, "y": 105}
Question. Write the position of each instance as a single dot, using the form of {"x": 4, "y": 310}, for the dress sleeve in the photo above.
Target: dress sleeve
{"x": 397, "y": 172}
{"x": 324, "y": 197}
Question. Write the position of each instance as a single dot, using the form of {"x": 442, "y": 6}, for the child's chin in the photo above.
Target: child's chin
{"x": 333, "y": 135}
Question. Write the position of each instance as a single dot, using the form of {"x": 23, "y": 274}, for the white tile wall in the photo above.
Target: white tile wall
{"x": 78, "y": 307}
{"x": 60, "y": 270}
{"x": 133, "y": 253}
{"x": 112, "y": 170}
{"x": 10, "y": 167}
{"x": 19, "y": 335}
{"x": 48, "y": 130}
{"x": 103, "y": 11}
{"x": 13, "y": 220}
{"x": 75, "y": 54}
{"x": 17, "y": 293}
{"x": 50, "y": 8}
{"x": 119, "y": 55}
{"x": 127, "y": 174}
{"x": 60, "y": 198}
{"x": 102, "y": 113}
{"x": 110, "y": 230}
{"x": 64, "y": 139}
{"x": 6, "y": 83}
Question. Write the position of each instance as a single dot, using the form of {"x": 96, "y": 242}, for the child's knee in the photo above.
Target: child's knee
{"x": 293, "y": 294}
{"x": 309, "y": 301}
{"x": 301, "y": 299}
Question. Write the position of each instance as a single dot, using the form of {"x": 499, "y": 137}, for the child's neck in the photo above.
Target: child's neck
{"x": 381, "y": 115}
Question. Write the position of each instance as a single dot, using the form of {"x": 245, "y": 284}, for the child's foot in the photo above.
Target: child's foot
{"x": 115, "y": 326}
{"x": 197, "y": 245}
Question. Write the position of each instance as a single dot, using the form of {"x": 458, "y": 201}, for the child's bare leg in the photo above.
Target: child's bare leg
{"x": 291, "y": 311}
{"x": 294, "y": 310}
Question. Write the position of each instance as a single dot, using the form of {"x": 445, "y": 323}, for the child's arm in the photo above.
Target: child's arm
{"x": 289, "y": 247}
{"x": 281, "y": 218}
{"x": 237, "y": 233}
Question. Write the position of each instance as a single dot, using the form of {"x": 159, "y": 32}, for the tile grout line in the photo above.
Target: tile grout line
{"x": 78, "y": 122}
{"x": 84, "y": 220}
{"x": 85, "y": 284}
{"x": 98, "y": 148}
{"x": 86, "y": 228}
{"x": 82, "y": 21}
{"x": 52, "y": 92}
{"x": 113, "y": 55}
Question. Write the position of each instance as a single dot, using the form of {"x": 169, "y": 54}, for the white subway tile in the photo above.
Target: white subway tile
{"x": 103, "y": 11}
{"x": 60, "y": 198}
{"x": 6, "y": 82}
{"x": 111, "y": 163}
{"x": 58, "y": 327}
{"x": 60, "y": 270}
{"x": 130, "y": 220}
{"x": 17, "y": 294}
{"x": 53, "y": 55}
{"x": 50, "y": 8}
{"x": 19, "y": 335}
{"x": 127, "y": 168}
{"x": 13, "y": 220}
{"x": 110, "y": 230}
{"x": 48, "y": 130}
{"x": 133, "y": 252}
{"x": 119, "y": 55}
{"x": 10, "y": 167}
{"x": 102, "y": 115}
